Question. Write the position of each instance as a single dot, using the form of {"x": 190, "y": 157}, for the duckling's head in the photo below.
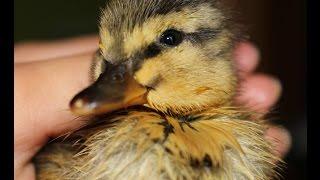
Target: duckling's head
{"x": 171, "y": 55}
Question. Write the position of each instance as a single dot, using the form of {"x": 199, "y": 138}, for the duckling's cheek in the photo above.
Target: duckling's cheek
{"x": 149, "y": 72}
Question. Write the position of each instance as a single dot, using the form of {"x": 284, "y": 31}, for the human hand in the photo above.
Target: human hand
{"x": 259, "y": 92}
{"x": 48, "y": 74}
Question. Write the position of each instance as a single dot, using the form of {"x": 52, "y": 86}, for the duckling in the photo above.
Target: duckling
{"x": 160, "y": 105}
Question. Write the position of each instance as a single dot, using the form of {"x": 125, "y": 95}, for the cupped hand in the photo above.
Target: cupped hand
{"x": 48, "y": 74}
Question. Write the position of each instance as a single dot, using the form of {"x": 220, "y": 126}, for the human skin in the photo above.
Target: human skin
{"x": 48, "y": 74}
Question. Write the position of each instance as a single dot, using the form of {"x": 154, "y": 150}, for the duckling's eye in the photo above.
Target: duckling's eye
{"x": 171, "y": 37}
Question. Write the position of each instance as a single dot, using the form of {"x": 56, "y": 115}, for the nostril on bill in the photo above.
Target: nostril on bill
{"x": 118, "y": 77}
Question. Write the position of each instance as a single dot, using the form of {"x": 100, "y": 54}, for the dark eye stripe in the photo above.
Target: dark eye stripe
{"x": 202, "y": 35}
{"x": 152, "y": 50}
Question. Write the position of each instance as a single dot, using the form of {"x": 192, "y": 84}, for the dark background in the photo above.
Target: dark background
{"x": 278, "y": 28}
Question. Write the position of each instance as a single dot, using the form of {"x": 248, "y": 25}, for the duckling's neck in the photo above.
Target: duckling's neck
{"x": 191, "y": 115}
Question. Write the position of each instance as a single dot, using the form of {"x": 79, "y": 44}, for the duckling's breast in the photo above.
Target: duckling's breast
{"x": 150, "y": 145}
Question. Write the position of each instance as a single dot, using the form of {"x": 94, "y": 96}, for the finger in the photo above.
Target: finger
{"x": 281, "y": 140}
{"x": 42, "y": 93}
{"x": 42, "y": 50}
{"x": 246, "y": 58}
{"x": 259, "y": 92}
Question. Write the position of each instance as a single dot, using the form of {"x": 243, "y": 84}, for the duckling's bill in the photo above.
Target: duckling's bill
{"x": 115, "y": 88}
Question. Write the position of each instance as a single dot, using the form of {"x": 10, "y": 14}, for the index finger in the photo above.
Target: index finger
{"x": 42, "y": 50}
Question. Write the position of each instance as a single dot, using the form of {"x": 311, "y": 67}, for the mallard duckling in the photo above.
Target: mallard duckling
{"x": 160, "y": 106}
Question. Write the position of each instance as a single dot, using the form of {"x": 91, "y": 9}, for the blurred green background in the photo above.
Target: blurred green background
{"x": 277, "y": 27}
{"x": 37, "y": 19}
